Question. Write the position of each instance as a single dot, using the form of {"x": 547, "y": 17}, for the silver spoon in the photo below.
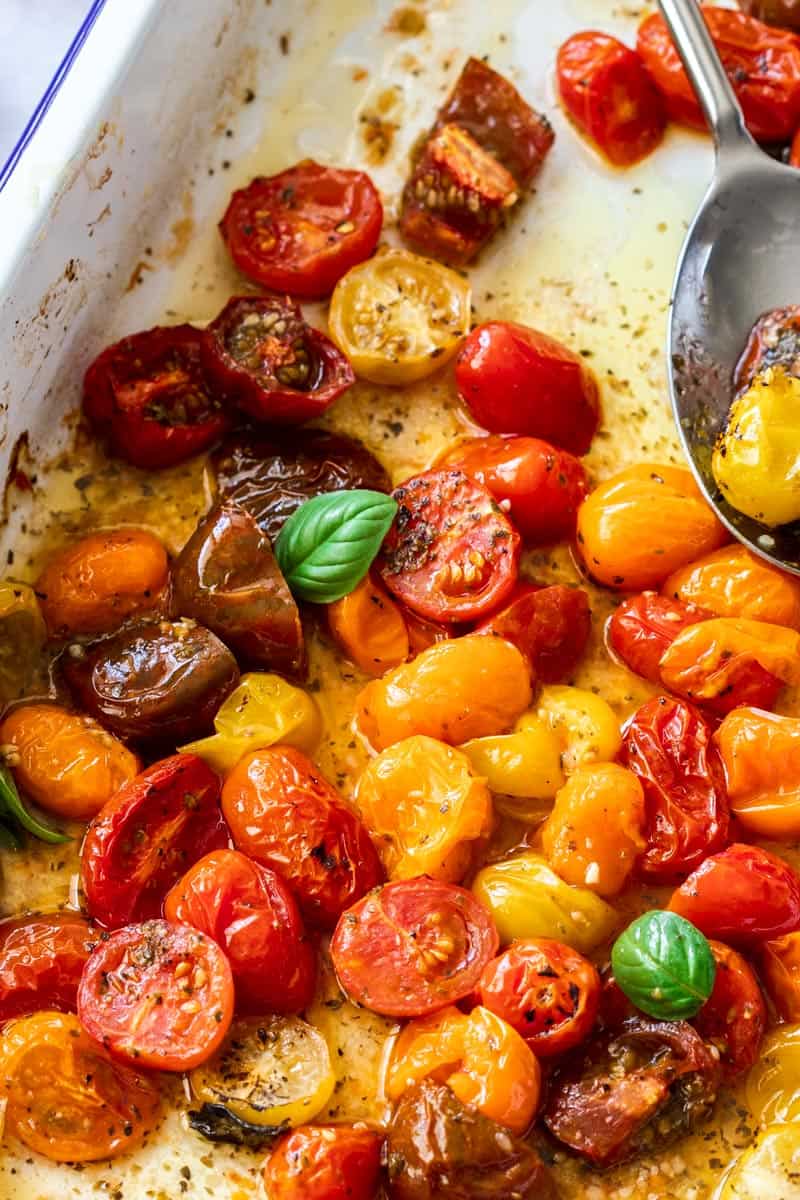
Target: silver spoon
{"x": 740, "y": 259}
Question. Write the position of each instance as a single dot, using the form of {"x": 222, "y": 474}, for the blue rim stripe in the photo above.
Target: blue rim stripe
{"x": 52, "y": 91}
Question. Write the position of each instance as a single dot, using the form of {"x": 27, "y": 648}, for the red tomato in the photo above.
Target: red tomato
{"x": 753, "y": 686}
{"x": 272, "y": 364}
{"x": 151, "y": 396}
{"x": 763, "y": 65}
{"x": 667, "y": 744}
{"x": 282, "y": 813}
{"x": 157, "y": 995}
{"x": 451, "y": 554}
{"x": 744, "y": 895}
{"x": 301, "y": 230}
{"x": 551, "y": 625}
{"x": 146, "y": 836}
{"x": 540, "y": 486}
{"x": 735, "y": 1016}
{"x": 41, "y": 959}
{"x": 325, "y": 1162}
{"x": 412, "y": 947}
{"x": 794, "y": 151}
{"x": 609, "y": 95}
{"x": 546, "y": 991}
{"x": 643, "y": 628}
{"x": 250, "y": 912}
{"x": 516, "y": 380}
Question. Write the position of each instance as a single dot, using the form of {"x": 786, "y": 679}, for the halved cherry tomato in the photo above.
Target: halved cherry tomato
{"x": 732, "y": 582}
{"x": 151, "y": 396}
{"x": 282, "y": 813}
{"x": 147, "y": 835}
{"x": 744, "y": 895}
{"x": 370, "y": 628}
{"x": 249, "y": 911}
{"x": 667, "y": 744}
{"x": 272, "y": 364}
{"x": 643, "y": 628}
{"x": 609, "y": 95}
{"x": 760, "y": 752}
{"x": 451, "y": 554}
{"x": 774, "y": 341}
{"x": 540, "y": 486}
{"x": 734, "y": 1016}
{"x": 550, "y": 625}
{"x": 157, "y": 994}
{"x": 41, "y": 959}
{"x": 762, "y": 63}
{"x": 547, "y": 991}
{"x": 514, "y": 379}
{"x": 64, "y": 1096}
{"x": 325, "y": 1162}
{"x": 780, "y": 969}
{"x": 301, "y": 230}
{"x": 413, "y": 947}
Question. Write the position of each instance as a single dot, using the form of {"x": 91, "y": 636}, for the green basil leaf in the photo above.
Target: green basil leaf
{"x": 327, "y": 546}
{"x": 664, "y": 965}
{"x": 11, "y": 806}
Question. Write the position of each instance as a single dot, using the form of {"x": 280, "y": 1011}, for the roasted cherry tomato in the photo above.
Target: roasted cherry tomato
{"x": 644, "y": 627}
{"x": 157, "y": 994}
{"x": 667, "y": 744}
{"x": 763, "y": 65}
{"x": 608, "y": 94}
{"x": 451, "y": 554}
{"x": 94, "y": 585}
{"x": 774, "y": 12}
{"x": 325, "y": 1162}
{"x": 300, "y": 230}
{"x": 550, "y": 625}
{"x": 547, "y": 991}
{"x": 514, "y": 379}
{"x": 744, "y": 895}
{"x": 249, "y": 911}
{"x": 273, "y": 365}
{"x": 422, "y": 633}
{"x": 147, "y": 835}
{"x": 282, "y": 813}
{"x": 540, "y": 486}
{"x": 584, "y": 723}
{"x": 634, "y": 1089}
{"x": 151, "y": 396}
{"x": 153, "y": 683}
{"x": 64, "y": 1096}
{"x": 735, "y": 1016}
{"x": 226, "y": 577}
{"x": 732, "y": 582}
{"x": 774, "y": 341}
{"x": 760, "y": 752}
{"x": 41, "y": 959}
{"x": 413, "y": 947}
{"x": 370, "y": 628}
{"x": 780, "y": 970}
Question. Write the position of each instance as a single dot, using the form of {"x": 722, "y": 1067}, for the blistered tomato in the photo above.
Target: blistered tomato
{"x": 760, "y": 752}
{"x": 733, "y": 582}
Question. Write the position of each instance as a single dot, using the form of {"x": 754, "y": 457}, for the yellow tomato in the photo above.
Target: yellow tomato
{"x": 522, "y": 769}
{"x": 771, "y": 1087}
{"x": 732, "y": 582}
{"x": 527, "y": 899}
{"x": 399, "y": 317}
{"x": 706, "y": 657}
{"x": 22, "y": 636}
{"x": 767, "y": 1168}
{"x": 425, "y": 808}
{"x": 761, "y": 755}
{"x": 587, "y": 727}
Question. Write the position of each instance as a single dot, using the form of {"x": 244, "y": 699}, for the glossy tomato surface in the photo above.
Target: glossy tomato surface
{"x": 642, "y": 628}
{"x": 41, "y": 960}
{"x": 325, "y": 1162}
{"x": 550, "y": 625}
{"x": 734, "y": 1017}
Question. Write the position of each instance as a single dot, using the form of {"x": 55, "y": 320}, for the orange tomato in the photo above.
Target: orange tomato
{"x": 67, "y": 763}
{"x": 455, "y": 690}
{"x": 595, "y": 831}
{"x": 425, "y": 808}
{"x": 642, "y": 524}
{"x": 732, "y": 582}
{"x": 92, "y": 586}
{"x": 761, "y": 755}
{"x": 780, "y": 970}
{"x": 478, "y": 1055}
{"x": 705, "y": 659}
{"x": 370, "y": 628}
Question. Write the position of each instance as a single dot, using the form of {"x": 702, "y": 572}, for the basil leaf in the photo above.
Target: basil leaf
{"x": 11, "y": 806}
{"x": 327, "y": 546}
{"x": 664, "y": 965}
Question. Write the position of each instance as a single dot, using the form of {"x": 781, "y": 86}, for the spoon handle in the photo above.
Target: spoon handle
{"x": 706, "y": 73}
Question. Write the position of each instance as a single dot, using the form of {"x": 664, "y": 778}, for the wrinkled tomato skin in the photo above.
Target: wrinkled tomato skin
{"x": 282, "y": 813}
{"x": 41, "y": 960}
{"x": 147, "y": 835}
{"x": 762, "y": 63}
{"x": 668, "y": 746}
{"x": 139, "y": 391}
{"x": 744, "y": 895}
{"x": 752, "y": 685}
{"x": 514, "y": 379}
{"x": 774, "y": 341}
{"x": 301, "y": 230}
{"x": 642, "y": 629}
{"x": 285, "y": 378}
{"x": 319, "y": 1162}
{"x": 734, "y": 1017}
{"x": 550, "y": 625}
{"x": 541, "y": 486}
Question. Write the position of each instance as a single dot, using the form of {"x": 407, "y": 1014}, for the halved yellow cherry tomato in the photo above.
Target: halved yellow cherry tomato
{"x": 22, "y": 636}
{"x": 398, "y": 316}
{"x": 586, "y": 726}
{"x": 771, "y": 1087}
{"x": 766, "y": 1168}
{"x": 522, "y": 768}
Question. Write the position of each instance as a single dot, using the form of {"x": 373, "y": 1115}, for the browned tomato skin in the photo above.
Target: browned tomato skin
{"x": 41, "y": 960}
{"x": 774, "y": 341}
{"x": 226, "y": 577}
{"x": 155, "y": 684}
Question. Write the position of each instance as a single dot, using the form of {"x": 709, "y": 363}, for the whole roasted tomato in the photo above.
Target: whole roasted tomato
{"x": 723, "y": 663}
{"x": 643, "y": 628}
{"x": 41, "y": 959}
{"x": 734, "y": 1016}
{"x": 325, "y": 1162}
{"x": 550, "y": 625}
